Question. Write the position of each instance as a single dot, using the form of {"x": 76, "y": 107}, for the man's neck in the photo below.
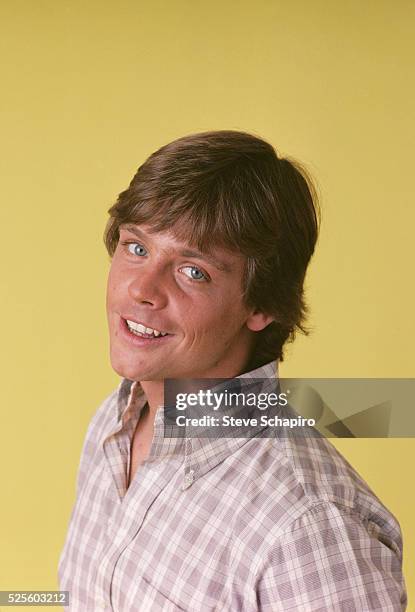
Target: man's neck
{"x": 154, "y": 392}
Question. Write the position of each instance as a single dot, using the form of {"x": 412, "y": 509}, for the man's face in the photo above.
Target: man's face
{"x": 162, "y": 284}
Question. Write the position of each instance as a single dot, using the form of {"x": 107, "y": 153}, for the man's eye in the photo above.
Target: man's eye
{"x": 194, "y": 273}
{"x": 136, "y": 249}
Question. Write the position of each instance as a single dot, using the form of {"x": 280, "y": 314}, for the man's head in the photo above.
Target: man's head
{"x": 210, "y": 243}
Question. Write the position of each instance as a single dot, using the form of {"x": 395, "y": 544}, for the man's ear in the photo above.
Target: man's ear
{"x": 257, "y": 321}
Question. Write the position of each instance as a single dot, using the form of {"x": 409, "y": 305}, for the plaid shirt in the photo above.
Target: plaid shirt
{"x": 225, "y": 524}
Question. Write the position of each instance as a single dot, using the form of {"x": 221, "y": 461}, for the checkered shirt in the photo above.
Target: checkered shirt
{"x": 224, "y": 524}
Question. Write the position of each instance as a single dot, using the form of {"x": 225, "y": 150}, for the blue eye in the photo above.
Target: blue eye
{"x": 194, "y": 273}
{"x": 137, "y": 249}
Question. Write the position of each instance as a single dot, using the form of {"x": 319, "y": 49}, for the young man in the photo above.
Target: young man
{"x": 210, "y": 245}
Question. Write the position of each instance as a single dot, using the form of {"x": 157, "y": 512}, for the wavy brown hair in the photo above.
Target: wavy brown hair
{"x": 231, "y": 189}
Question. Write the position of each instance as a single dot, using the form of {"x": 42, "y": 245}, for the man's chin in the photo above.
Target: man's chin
{"x": 134, "y": 372}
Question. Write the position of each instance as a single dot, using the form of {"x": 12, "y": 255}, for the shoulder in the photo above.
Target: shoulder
{"x": 326, "y": 476}
{"x": 295, "y": 476}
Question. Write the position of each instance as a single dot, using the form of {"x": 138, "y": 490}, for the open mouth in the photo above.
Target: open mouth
{"x": 142, "y": 331}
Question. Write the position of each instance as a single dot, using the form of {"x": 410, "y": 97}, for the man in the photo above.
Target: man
{"x": 210, "y": 245}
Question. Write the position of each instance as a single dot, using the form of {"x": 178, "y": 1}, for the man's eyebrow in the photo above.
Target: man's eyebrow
{"x": 218, "y": 263}
{"x": 133, "y": 229}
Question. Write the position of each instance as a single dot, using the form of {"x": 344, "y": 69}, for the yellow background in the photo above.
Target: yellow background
{"x": 89, "y": 89}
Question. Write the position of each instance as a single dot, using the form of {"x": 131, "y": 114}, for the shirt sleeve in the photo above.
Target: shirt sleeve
{"x": 331, "y": 560}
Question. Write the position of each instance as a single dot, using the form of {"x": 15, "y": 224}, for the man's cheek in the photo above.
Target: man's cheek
{"x": 197, "y": 336}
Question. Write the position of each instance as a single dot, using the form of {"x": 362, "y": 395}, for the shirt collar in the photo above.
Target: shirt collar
{"x": 200, "y": 454}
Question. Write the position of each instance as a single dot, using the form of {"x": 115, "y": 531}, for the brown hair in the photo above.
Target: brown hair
{"x": 230, "y": 189}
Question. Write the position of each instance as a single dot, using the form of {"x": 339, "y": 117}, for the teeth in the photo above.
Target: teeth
{"x": 142, "y": 329}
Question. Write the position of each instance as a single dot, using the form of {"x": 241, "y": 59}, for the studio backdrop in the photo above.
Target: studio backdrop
{"x": 89, "y": 90}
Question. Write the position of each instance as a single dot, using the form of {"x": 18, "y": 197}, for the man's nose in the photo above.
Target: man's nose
{"x": 149, "y": 287}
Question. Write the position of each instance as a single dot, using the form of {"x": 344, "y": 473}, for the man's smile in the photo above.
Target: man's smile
{"x": 140, "y": 332}
{"x": 143, "y": 330}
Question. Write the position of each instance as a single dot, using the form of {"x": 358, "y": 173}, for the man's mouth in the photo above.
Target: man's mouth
{"x": 138, "y": 329}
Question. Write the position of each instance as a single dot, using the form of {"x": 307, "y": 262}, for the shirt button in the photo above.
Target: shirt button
{"x": 101, "y": 603}
{"x": 189, "y": 478}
